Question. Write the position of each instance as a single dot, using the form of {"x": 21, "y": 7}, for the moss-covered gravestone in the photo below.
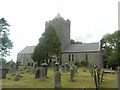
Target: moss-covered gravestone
{"x": 43, "y": 74}
{"x": 63, "y": 68}
{"x": 3, "y": 72}
{"x": 57, "y": 83}
{"x": 72, "y": 75}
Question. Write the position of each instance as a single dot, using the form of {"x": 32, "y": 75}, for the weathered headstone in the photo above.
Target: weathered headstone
{"x": 46, "y": 68}
{"x": 37, "y": 73}
{"x": 57, "y": 83}
{"x": 118, "y": 78}
{"x": 73, "y": 67}
{"x": 43, "y": 74}
{"x": 13, "y": 67}
{"x": 72, "y": 75}
{"x": 75, "y": 70}
{"x": 66, "y": 67}
{"x": 63, "y": 68}
{"x": 56, "y": 68}
{"x": 3, "y": 72}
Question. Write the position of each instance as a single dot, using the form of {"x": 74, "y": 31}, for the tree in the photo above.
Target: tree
{"x": 111, "y": 49}
{"x": 48, "y": 46}
{"x": 2, "y": 61}
{"x": 5, "y": 42}
{"x": 75, "y": 42}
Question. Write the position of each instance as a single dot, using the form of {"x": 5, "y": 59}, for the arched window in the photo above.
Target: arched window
{"x": 69, "y": 57}
{"x": 72, "y": 57}
{"x": 28, "y": 64}
{"x": 31, "y": 64}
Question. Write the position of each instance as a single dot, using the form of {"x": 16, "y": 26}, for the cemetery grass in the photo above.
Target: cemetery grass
{"x": 83, "y": 79}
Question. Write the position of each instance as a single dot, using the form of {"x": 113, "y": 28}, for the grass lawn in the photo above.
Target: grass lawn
{"x": 83, "y": 79}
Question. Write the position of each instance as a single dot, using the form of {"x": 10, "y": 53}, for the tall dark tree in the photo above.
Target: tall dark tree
{"x": 111, "y": 49}
{"x": 48, "y": 46}
{"x": 75, "y": 42}
{"x": 5, "y": 42}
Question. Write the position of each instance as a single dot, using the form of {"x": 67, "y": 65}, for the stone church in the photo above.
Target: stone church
{"x": 70, "y": 53}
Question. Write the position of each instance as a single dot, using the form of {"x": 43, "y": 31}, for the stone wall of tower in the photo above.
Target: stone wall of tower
{"x": 62, "y": 28}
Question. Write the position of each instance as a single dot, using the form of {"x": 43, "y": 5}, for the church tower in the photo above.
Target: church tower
{"x": 62, "y": 28}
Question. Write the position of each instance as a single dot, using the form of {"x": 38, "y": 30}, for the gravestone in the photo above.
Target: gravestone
{"x": 72, "y": 75}
{"x": 3, "y": 72}
{"x": 66, "y": 67}
{"x": 73, "y": 67}
{"x": 46, "y": 68}
{"x": 43, "y": 74}
{"x": 37, "y": 73}
{"x": 56, "y": 68}
{"x": 13, "y": 67}
{"x": 57, "y": 83}
{"x": 75, "y": 70}
{"x": 63, "y": 68}
{"x": 118, "y": 78}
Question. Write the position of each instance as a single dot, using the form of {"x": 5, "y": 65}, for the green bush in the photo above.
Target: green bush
{"x": 81, "y": 64}
{"x": 84, "y": 63}
{"x": 77, "y": 63}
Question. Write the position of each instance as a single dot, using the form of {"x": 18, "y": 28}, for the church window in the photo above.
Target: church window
{"x": 69, "y": 57}
{"x": 72, "y": 57}
{"x": 31, "y": 64}
{"x": 28, "y": 64}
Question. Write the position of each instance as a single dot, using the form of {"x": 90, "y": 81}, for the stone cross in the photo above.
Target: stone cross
{"x": 72, "y": 75}
{"x": 57, "y": 83}
{"x": 118, "y": 78}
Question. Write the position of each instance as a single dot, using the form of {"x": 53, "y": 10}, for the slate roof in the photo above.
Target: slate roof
{"x": 85, "y": 47}
{"x": 28, "y": 49}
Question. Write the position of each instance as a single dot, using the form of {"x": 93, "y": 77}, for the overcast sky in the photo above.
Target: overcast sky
{"x": 90, "y": 19}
